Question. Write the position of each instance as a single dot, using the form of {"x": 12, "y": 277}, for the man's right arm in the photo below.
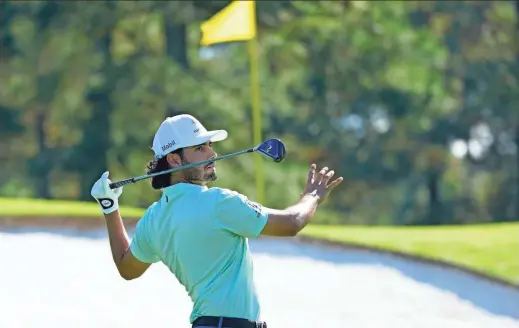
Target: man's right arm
{"x": 235, "y": 213}
{"x": 290, "y": 221}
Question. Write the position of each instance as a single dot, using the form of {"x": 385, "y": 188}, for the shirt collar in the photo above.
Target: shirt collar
{"x": 182, "y": 187}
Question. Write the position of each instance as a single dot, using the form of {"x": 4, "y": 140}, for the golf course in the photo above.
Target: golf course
{"x": 296, "y": 164}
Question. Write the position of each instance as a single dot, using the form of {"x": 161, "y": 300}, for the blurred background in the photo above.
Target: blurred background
{"x": 414, "y": 103}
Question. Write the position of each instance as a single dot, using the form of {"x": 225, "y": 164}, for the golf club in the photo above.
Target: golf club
{"x": 271, "y": 148}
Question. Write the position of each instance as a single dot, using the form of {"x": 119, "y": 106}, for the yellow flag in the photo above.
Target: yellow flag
{"x": 236, "y": 22}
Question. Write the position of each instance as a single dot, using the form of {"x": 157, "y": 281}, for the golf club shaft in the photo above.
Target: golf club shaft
{"x": 117, "y": 184}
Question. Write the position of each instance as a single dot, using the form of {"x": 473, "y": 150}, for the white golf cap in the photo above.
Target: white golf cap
{"x": 182, "y": 131}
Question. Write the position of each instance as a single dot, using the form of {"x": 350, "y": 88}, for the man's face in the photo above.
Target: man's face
{"x": 202, "y": 173}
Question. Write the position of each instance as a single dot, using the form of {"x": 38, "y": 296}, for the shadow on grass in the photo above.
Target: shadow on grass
{"x": 489, "y": 296}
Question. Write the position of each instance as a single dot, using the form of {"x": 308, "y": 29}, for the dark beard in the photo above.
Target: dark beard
{"x": 198, "y": 174}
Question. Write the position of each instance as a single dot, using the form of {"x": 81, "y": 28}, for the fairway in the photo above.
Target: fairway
{"x": 491, "y": 249}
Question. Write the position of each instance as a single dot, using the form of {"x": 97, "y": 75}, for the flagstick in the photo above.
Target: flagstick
{"x": 256, "y": 115}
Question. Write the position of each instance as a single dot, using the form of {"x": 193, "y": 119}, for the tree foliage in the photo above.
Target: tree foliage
{"x": 414, "y": 103}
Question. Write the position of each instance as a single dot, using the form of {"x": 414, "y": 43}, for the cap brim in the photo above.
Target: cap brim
{"x": 214, "y": 136}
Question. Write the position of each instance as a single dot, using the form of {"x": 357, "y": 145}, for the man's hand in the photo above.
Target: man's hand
{"x": 317, "y": 185}
{"x": 290, "y": 221}
{"x": 106, "y": 197}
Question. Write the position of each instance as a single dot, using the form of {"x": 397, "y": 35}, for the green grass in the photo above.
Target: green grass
{"x": 38, "y": 207}
{"x": 490, "y": 248}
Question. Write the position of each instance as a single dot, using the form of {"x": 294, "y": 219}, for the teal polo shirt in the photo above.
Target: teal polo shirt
{"x": 201, "y": 234}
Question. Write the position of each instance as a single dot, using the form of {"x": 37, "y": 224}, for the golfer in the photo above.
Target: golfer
{"x": 200, "y": 233}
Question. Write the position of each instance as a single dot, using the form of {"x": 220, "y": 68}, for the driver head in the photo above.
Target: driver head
{"x": 272, "y": 148}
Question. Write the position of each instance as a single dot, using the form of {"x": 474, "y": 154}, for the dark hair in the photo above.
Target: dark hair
{"x": 158, "y": 165}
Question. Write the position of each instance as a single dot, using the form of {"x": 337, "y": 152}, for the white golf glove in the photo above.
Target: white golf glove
{"x": 106, "y": 197}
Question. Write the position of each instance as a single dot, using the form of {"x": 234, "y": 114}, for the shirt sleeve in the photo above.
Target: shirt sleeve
{"x": 141, "y": 245}
{"x": 236, "y": 213}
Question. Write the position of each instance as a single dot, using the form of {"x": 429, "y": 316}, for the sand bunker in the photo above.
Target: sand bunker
{"x": 64, "y": 280}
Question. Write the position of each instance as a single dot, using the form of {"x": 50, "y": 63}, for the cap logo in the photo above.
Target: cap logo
{"x": 195, "y": 131}
{"x": 168, "y": 145}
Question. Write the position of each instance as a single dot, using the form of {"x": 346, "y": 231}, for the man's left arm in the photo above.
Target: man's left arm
{"x": 127, "y": 264}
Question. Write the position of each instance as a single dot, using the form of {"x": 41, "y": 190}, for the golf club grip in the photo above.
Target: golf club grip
{"x": 121, "y": 183}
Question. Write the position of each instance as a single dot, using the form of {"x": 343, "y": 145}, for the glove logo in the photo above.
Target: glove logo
{"x": 106, "y": 203}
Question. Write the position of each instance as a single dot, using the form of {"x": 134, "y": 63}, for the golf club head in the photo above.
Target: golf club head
{"x": 273, "y": 149}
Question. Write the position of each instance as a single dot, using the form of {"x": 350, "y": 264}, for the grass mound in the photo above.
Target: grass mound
{"x": 488, "y": 248}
